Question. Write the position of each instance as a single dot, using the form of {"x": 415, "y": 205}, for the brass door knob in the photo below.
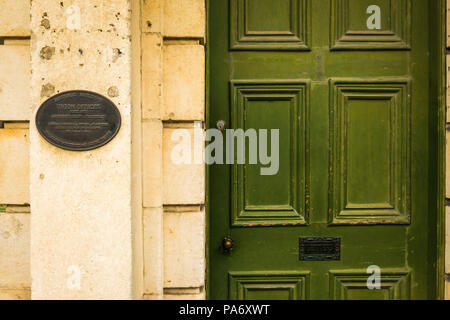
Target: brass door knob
{"x": 227, "y": 244}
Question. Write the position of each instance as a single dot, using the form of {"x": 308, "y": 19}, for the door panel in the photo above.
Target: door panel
{"x": 352, "y": 285}
{"x": 275, "y": 286}
{"x": 271, "y": 105}
{"x": 370, "y": 174}
{"x": 352, "y": 106}
{"x": 287, "y": 29}
{"x": 349, "y": 29}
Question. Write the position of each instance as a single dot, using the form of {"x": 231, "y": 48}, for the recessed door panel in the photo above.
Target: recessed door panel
{"x": 370, "y": 134}
{"x": 269, "y": 25}
{"x": 371, "y": 24}
{"x": 265, "y": 105}
{"x": 352, "y": 285}
{"x": 269, "y": 286}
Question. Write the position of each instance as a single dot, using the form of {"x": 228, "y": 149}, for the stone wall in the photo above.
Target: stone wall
{"x": 173, "y": 97}
{"x": 15, "y": 110}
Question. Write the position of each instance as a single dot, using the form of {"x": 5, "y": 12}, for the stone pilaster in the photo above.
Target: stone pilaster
{"x": 82, "y": 239}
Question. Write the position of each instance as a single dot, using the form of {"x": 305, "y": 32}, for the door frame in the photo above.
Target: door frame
{"x": 438, "y": 49}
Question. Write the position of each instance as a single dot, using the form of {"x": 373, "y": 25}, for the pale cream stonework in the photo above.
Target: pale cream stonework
{"x": 153, "y": 253}
{"x": 184, "y": 184}
{"x": 152, "y": 159}
{"x": 81, "y": 235}
{"x": 14, "y": 164}
{"x": 173, "y": 97}
{"x": 172, "y": 195}
{"x": 183, "y": 80}
{"x": 175, "y": 18}
{"x": 151, "y": 76}
{"x": 447, "y": 290}
{"x": 184, "y": 249}
{"x": 15, "y": 80}
{"x": 184, "y": 18}
{"x": 15, "y": 294}
{"x": 15, "y": 254}
{"x": 15, "y": 18}
{"x": 447, "y": 240}
{"x": 15, "y": 74}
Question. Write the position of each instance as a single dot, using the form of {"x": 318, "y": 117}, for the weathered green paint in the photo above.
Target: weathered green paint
{"x": 438, "y": 92}
{"x": 358, "y": 148}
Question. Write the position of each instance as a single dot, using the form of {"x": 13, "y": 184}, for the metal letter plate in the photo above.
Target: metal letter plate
{"x": 78, "y": 120}
{"x": 319, "y": 248}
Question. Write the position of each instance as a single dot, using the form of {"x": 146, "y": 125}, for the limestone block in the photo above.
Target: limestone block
{"x": 183, "y": 166}
{"x": 447, "y": 289}
{"x": 198, "y": 296}
{"x": 152, "y": 11}
{"x": 15, "y": 166}
{"x": 15, "y": 18}
{"x": 447, "y": 170}
{"x": 150, "y": 297}
{"x": 448, "y": 23}
{"x": 184, "y": 82}
{"x": 151, "y": 76}
{"x": 14, "y": 251}
{"x": 184, "y": 293}
{"x": 184, "y": 249}
{"x": 152, "y": 134}
{"x": 184, "y": 18}
{"x": 15, "y": 81}
{"x": 15, "y": 294}
{"x": 447, "y": 240}
{"x": 153, "y": 252}
{"x": 448, "y": 88}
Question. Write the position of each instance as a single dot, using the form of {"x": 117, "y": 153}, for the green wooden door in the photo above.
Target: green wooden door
{"x": 346, "y": 82}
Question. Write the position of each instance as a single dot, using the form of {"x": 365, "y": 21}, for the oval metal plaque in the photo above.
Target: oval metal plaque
{"x": 78, "y": 120}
